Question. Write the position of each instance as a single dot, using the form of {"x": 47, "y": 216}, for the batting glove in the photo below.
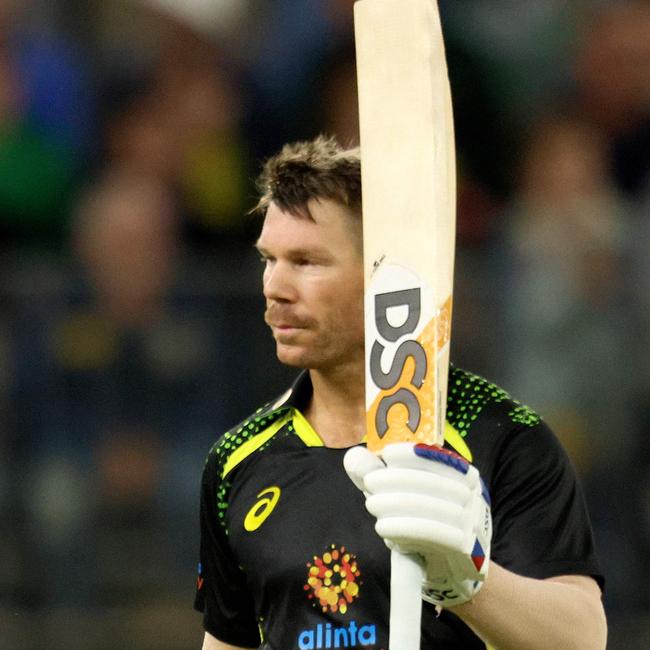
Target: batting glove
{"x": 429, "y": 501}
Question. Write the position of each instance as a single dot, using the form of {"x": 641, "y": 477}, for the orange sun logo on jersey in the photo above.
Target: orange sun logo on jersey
{"x": 333, "y": 580}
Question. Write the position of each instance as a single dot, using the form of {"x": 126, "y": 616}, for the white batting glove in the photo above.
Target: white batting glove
{"x": 429, "y": 501}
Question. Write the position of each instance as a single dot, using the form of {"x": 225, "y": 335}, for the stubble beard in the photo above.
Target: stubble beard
{"x": 327, "y": 353}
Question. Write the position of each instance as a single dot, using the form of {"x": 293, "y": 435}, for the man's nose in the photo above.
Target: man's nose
{"x": 277, "y": 282}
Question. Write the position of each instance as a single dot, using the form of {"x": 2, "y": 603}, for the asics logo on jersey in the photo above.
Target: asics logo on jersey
{"x": 258, "y": 514}
{"x": 408, "y": 349}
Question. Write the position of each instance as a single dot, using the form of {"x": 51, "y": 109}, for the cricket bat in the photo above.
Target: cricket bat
{"x": 409, "y": 204}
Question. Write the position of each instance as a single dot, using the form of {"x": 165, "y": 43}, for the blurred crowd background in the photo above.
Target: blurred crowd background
{"x": 131, "y": 330}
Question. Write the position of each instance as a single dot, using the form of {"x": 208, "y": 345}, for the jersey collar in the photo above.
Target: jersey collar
{"x": 298, "y": 396}
{"x": 300, "y": 392}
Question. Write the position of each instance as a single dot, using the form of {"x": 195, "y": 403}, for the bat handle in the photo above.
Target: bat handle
{"x": 406, "y": 575}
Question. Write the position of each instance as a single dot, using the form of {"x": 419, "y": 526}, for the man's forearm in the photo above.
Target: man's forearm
{"x": 516, "y": 613}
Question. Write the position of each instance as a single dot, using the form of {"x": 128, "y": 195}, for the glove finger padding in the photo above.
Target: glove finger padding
{"x": 407, "y": 519}
{"x": 430, "y": 501}
{"x": 416, "y": 481}
{"x": 359, "y": 461}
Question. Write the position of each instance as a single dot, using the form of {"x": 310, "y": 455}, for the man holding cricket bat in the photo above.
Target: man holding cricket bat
{"x": 291, "y": 557}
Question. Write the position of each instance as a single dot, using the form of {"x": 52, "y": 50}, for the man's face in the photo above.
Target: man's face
{"x": 313, "y": 285}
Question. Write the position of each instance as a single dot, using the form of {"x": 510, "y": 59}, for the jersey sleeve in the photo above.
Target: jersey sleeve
{"x": 541, "y": 524}
{"x": 222, "y": 592}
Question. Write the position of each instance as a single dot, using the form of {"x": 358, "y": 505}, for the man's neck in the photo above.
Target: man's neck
{"x": 337, "y": 409}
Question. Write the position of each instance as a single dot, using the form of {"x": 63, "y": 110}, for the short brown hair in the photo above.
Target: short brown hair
{"x": 314, "y": 169}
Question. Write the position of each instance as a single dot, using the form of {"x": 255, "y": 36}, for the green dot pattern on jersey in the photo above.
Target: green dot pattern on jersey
{"x": 469, "y": 394}
{"x": 230, "y": 442}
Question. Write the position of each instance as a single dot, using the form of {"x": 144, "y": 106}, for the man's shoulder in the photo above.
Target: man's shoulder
{"x": 473, "y": 401}
{"x": 249, "y": 434}
{"x": 484, "y": 422}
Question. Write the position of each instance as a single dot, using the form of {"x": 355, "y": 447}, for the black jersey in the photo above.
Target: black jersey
{"x": 289, "y": 556}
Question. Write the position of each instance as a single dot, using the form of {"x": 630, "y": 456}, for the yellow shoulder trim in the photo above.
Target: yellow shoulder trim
{"x": 456, "y": 441}
{"x": 305, "y": 431}
{"x": 252, "y": 445}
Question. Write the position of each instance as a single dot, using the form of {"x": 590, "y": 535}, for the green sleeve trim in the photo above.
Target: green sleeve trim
{"x": 468, "y": 395}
